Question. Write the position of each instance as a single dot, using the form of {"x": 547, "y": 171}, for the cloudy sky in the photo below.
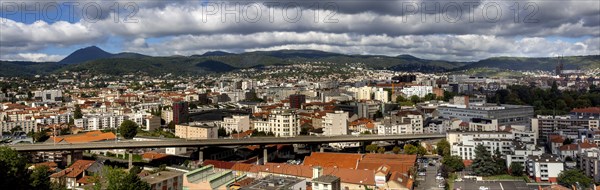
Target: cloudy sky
{"x": 449, "y": 30}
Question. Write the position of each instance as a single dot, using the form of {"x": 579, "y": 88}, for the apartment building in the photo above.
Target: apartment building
{"x": 197, "y": 130}
{"x": 239, "y": 123}
{"x": 463, "y": 143}
{"x": 567, "y": 126}
{"x": 544, "y": 168}
{"x": 48, "y": 95}
{"x": 335, "y": 123}
{"x": 420, "y": 91}
{"x": 26, "y": 126}
{"x": 401, "y": 122}
{"x": 381, "y": 95}
{"x": 589, "y": 163}
{"x": 100, "y": 121}
{"x": 282, "y": 122}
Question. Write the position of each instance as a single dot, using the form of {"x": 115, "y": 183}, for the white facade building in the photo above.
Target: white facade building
{"x": 381, "y": 95}
{"x": 48, "y": 95}
{"x": 239, "y": 123}
{"x": 463, "y": 143}
{"x": 283, "y": 123}
{"x": 100, "y": 121}
{"x": 419, "y": 91}
{"x": 544, "y": 168}
{"x": 335, "y": 123}
{"x": 401, "y": 124}
{"x": 26, "y": 126}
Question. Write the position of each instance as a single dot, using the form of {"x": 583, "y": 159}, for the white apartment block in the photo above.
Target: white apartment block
{"x": 381, "y": 95}
{"x": 26, "y": 126}
{"x": 100, "y": 121}
{"x": 54, "y": 119}
{"x": 544, "y": 168}
{"x": 48, "y": 95}
{"x": 335, "y": 123}
{"x": 283, "y": 123}
{"x": 401, "y": 124}
{"x": 364, "y": 93}
{"x": 419, "y": 91}
{"x": 463, "y": 143}
{"x": 239, "y": 123}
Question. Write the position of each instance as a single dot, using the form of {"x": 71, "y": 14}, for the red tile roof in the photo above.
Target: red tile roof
{"x": 595, "y": 110}
{"x": 326, "y": 159}
{"x": 364, "y": 177}
{"x": 75, "y": 169}
{"x": 568, "y": 147}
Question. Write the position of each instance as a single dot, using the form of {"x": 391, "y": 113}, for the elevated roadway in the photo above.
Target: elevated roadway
{"x": 220, "y": 142}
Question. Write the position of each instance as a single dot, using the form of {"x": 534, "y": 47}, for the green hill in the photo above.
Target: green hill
{"x": 96, "y": 60}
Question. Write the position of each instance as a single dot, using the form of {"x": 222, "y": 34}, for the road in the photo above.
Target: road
{"x": 220, "y": 142}
{"x": 429, "y": 182}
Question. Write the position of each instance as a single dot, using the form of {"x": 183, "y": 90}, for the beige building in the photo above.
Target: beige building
{"x": 197, "y": 130}
{"x": 239, "y": 123}
{"x": 164, "y": 180}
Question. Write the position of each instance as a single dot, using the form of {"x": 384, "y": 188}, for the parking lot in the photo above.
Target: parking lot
{"x": 493, "y": 185}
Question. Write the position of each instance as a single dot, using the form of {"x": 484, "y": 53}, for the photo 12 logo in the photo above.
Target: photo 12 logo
{"x": 274, "y": 12}
{"x": 469, "y": 11}
{"x": 70, "y": 11}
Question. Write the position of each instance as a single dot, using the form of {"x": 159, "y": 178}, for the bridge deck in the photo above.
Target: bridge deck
{"x": 218, "y": 142}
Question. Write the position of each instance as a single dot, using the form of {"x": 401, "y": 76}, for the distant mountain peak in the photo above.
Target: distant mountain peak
{"x": 407, "y": 56}
{"x": 217, "y": 53}
{"x": 85, "y": 54}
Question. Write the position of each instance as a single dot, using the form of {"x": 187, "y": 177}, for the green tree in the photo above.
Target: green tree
{"x": 372, "y": 148}
{"x": 40, "y": 136}
{"x": 400, "y": 99}
{"x": 516, "y": 169}
{"x": 453, "y": 163}
{"x": 429, "y": 97}
{"x": 221, "y": 132}
{"x": 443, "y": 148}
{"x": 568, "y": 178}
{"x": 77, "y": 113}
{"x": 483, "y": 164}
{"x": 118, "y": 179}
{"x": 500, "y": 162}
{"x": 415, "y": 99}
{"x": 40, "y": 178}
{"x": 567, "y": 141}
{"x": 410, "y": 149}
{"x": 14, "y": 173}
{"x": 128, "y": 129}
{"x": 396, "y": 150}
{"x": 381, "y": 150}
{"x": 421, "y": 150}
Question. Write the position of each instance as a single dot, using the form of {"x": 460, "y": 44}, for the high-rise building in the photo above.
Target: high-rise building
{"x": 180, "y": 112}
{"x": 335, "y": 123}
{"x": 296, "y": 100}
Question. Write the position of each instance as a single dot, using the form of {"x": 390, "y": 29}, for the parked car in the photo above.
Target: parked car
{"x": 422, "y": 174}
{"x": 439, "y": 177}
{"x": 484, "y": 188}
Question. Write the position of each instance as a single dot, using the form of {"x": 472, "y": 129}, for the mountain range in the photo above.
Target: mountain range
{"x": 97, "y": 61}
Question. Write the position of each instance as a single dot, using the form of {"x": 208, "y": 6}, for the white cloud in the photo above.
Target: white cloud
{"x": 36, "y": 57}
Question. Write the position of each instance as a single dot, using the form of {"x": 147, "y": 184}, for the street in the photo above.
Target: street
{"x": 429, "y": 182}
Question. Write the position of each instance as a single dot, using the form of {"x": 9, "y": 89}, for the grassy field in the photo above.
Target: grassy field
{"x": 504, "y": 177}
